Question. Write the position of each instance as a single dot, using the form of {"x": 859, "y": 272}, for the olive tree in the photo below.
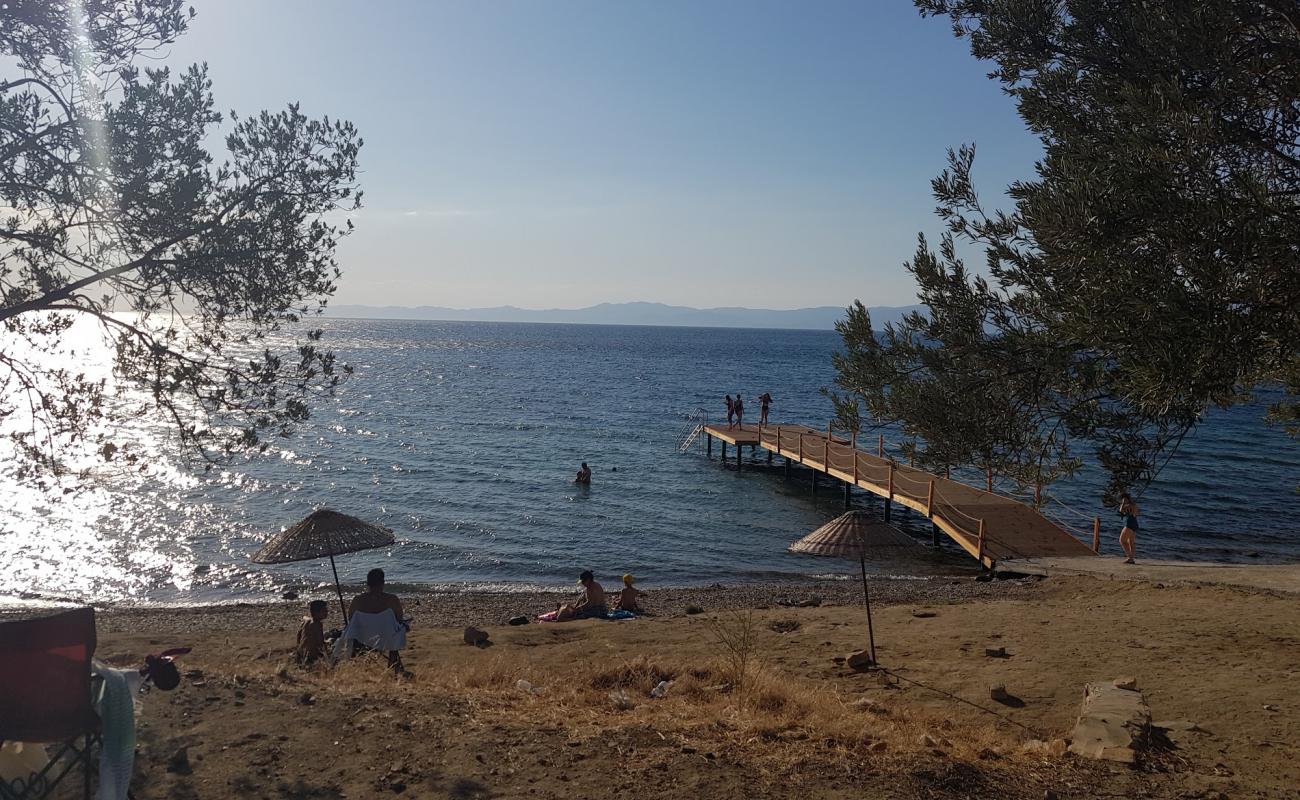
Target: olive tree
{"x": 196, "y": 268}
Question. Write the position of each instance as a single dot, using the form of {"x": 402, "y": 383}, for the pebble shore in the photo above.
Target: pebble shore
{"x": 456, "y": 609}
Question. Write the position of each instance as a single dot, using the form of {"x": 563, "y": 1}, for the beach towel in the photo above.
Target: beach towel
{"x": 549, "y": 616}
{"x": 379, "y": 631}
{"x": 116, "y": 709}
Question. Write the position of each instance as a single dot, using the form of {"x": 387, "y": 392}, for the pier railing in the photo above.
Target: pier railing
{"x": 917, "y": 488}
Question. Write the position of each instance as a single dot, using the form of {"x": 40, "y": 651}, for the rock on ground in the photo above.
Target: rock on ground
{"x": 1114, "y": 723}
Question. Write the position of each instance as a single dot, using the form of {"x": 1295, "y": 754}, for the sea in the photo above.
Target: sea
{"x": 464, "y": 438}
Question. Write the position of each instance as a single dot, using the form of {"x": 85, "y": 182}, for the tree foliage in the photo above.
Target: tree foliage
{"x": 197, "y": 271}
{"x": 1151, "y": 268}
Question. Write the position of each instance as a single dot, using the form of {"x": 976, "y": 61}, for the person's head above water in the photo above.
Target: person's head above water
{"x": 586, "y": 576}
{"x": 584, "y": 465}
{"x": 375, "y": 579}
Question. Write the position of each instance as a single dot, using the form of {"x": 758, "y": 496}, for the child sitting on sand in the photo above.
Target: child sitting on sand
{"x": 311, "y": 636}
{"x": 628, "y": 598}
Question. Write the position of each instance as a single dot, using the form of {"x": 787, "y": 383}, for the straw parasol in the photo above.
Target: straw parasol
{"x": 324, "y": 533}
{"x": 851, "y": 535}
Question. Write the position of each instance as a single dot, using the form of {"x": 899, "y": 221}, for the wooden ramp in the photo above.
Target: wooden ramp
{"x": 991, "y": 527}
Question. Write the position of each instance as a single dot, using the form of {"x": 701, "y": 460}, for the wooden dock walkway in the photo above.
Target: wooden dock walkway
{"x": 991, "y": 527}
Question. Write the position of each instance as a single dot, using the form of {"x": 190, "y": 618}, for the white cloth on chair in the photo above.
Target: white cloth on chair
{"x": 116, "y": 708}
{"x": 380, "y": 631}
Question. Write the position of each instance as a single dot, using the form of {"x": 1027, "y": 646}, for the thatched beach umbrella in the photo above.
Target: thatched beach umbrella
{"x": 324, "y": 533}
{"x": 851, "y": 535}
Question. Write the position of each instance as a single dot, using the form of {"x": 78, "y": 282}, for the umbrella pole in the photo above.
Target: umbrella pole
{"x": 338, "y": 588}
{"x": 866, "y": 596}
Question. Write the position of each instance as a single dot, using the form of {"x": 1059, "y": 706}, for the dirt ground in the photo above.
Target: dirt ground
{"x": 246, "y": 723}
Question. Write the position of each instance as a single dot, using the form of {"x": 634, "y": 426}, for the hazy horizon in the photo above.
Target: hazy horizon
{"x": 561, "y": 155}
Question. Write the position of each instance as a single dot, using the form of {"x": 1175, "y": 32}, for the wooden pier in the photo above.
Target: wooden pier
{"x": 991, "y": 527}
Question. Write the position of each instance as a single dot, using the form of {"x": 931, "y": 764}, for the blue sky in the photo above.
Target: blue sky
{"x": 565, "y": 153}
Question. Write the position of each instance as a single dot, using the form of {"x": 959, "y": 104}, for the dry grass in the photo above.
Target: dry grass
{"x": 781, "y": 723}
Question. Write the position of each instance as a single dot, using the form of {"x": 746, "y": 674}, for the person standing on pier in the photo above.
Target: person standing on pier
{"x": 731, "y": 411}
{"x": 764, "y": 400}
{"x": 740, "y": 411}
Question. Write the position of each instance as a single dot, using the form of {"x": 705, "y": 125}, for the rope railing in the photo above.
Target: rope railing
{"x": 887, "y": 472}
{"x": 1076, "y": 512}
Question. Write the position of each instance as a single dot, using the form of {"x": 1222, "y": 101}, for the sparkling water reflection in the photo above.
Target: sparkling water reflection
{"x": 463, "y": 438}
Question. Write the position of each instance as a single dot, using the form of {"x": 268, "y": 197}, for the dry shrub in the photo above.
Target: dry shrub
{"x": 640, "y": 675}
{"x": 736, "y": 635}
{"x": 493, "y": 672}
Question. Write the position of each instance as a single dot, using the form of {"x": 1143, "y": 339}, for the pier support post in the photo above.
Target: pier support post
{"x": 708, "y": 445}
{"x": 889, "y": 506}
{"x": 739, "y": 450}
{"x": 724, "y": 453}
{"x": 787, "y": 468}
{"x": 934, "y": 535}
{"x": 814, "y": 481}
{"x": 848, "y": 497}
{"x": 769, "y": 456}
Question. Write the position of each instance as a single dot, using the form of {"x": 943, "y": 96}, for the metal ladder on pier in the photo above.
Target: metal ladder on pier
{"x": 695, "y": 422}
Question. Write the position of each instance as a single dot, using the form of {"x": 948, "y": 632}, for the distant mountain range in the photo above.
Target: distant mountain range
{"x": 819, "y": 318}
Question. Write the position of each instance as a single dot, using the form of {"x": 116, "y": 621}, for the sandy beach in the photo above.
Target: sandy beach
{"x": 246, "y": 722}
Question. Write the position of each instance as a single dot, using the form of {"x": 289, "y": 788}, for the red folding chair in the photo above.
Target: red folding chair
{"x": 46, "y": 696}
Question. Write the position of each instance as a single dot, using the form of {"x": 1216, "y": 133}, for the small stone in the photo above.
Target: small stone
{"x": 1128, "y": 682}
{"x": 179, "y": 763}
{"x": 927, "y": 740}
{"x": 475, "y": 636}
{"x": 984, "y": 577}
{"x": 810, "y": 602}
{"x": 998, "y": 692}
{"x": 307, "y": 699}
{"x": 1055, "y": 748}
{"x": 925, "y": 614}
{"x": 1177, "y": 726}
{"x": 995, "y": 652}
{"x": 520, "y": 620}
{"x": 688, "y": 750}
{"x": 870, "y": 706}
{"x": 291, "y": 595}
{"x": 860, "y": 660}
{"x": 878, "y": 746}
{"x": 838, "y": 659}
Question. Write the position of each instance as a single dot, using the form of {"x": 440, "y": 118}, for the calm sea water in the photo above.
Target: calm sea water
{"x": 464, "y": 437}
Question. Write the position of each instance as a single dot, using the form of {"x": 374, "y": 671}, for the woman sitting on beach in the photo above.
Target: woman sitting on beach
{"x": 629, "y": 596}
{"x": 591, "y": 605}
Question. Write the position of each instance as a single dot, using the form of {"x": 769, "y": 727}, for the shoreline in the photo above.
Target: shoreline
{"x": 441, "y": 609}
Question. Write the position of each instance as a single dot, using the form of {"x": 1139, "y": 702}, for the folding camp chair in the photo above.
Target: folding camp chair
{"x": 46, "y": 696}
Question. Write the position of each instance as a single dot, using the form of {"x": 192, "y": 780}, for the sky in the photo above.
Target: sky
{"x": 565, "y": 153}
